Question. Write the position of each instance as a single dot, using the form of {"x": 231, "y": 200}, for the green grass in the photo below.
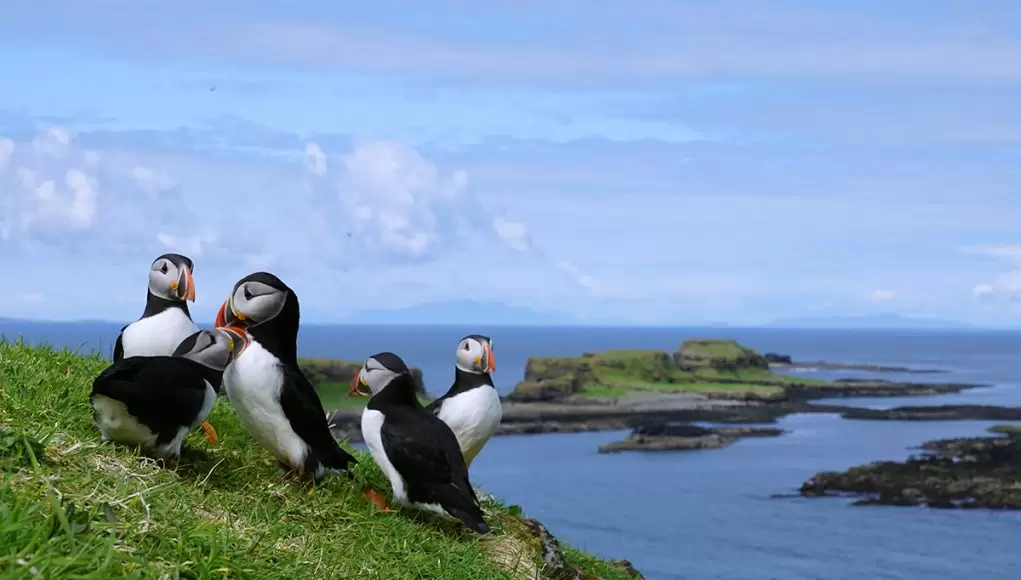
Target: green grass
{"x": 73, "y": 507}
{"x": 710, "y": 366}
{"x": 1006, "y": 429}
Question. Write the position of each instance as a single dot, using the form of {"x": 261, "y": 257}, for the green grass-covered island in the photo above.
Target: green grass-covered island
{"x": 74, "y": 507}
{"x": 714, "y": 368}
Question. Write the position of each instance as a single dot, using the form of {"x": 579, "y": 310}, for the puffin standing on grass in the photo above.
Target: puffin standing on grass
{"x": 417, "y": 451}
{"x": 165, "y": 322}
{"x": 153, "y": 401}
{"x": 471, "y": 408}
{"x": 274, "y": 400}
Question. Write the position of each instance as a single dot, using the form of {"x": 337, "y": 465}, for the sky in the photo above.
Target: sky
{"x": 648, "y": 163}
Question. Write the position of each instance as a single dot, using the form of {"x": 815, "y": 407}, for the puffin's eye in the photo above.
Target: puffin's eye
{"x": 466, "y": 347}
{"x": 163, "y": 268}
{"x": 248, "y": 293}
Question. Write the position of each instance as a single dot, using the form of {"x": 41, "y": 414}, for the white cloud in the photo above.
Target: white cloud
{"x": 59, "y": 196}
{"x": 6, "y": 151}
{"x": 379, "y": 221}
{"x": 882, "y": 295}
{"x": 315, "y": 159}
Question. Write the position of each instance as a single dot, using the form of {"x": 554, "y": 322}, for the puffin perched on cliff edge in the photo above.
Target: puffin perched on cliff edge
{"x": 274, "y": 400}
{"x": 417, "y": 451}
{"x": 471, "y": 407}
{"x": 153, "y": 401}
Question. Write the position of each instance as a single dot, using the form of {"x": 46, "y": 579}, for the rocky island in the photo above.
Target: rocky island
{"x": 684, "y": 437}
{"x": 969, "y": 472}
{"x": 703, "y": 380}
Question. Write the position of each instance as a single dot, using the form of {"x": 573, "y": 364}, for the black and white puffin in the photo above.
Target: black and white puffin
{"x": 471, "y": 408}
{"x": 165, "y": 322}
{"x": 416, "y": 450}
{"x": 273, "y": 398}
{"x": 153, "y": 401}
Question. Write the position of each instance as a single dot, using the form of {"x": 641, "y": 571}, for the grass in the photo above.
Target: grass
{"x": 710, "y": 366}
{"x": 1012, "y": 429}
{"x": 73, "y": 507}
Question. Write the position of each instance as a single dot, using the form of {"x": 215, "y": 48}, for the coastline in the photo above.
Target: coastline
{"x": 576, "y": 416}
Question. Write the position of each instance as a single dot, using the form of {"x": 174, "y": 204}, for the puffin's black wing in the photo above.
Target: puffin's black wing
{"x": 305, "y": 413}
{"x": 118, "y": 347}
{"x": 426, "y": 454}
{"x": 163, "y": 392}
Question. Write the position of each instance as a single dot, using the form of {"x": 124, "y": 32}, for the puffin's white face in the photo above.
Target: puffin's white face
{"x": 171, "y": 279}
{"x": 475, "y": 355}
{"x": 253, "y": 303}
{"x": 377, "y": 372}
{"x": 214, "y": 348}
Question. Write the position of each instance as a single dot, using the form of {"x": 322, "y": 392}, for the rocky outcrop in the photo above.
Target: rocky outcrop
{"x": 973, "y": 472}
{"x": 936, "y": 413}
{"x": 783, "y": 362}
{"x": 684, "y": 437}
{"x": 719, "y": 355}
{"x": 779, "y": 359}
{"x": 323, "y": 370}
{"x": 552, "y": 378}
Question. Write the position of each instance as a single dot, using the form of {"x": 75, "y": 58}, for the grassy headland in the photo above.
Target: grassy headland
{"x": 75, "y": 507}
{"x": 714, "y": 368}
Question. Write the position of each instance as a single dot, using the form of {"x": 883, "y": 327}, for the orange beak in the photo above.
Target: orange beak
{"x": 490, "y": 361}
{"x": 357, "y": 388}
{"x": 189, "y": 286}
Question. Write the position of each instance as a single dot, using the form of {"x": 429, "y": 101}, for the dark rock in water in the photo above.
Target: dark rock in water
{"x": 774, "y": 358}
{"x": 974, "y": 472}
{"x": 683, "y": 437}
{"x": 936, "y": 413}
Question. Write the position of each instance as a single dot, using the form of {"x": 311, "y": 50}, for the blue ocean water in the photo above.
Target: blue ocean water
{"x": 710, "y": 514}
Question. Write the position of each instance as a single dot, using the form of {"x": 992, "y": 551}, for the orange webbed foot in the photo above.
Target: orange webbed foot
{"x": 211, "y": 435}
{"x": 376, "y": 498}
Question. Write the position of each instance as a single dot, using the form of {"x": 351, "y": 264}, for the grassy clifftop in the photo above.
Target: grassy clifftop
{"x": 75, "y": 507}
{"x": 708, "y": 366}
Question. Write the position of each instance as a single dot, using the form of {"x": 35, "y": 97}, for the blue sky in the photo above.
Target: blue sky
{"x": 679, "y": 163}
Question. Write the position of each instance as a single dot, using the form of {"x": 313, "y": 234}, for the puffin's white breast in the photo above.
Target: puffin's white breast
{"x": 157, "y": 335}
{"x": 115, "y": 422}
{"x": 253, "y": 383}
{"x": 473, "y": 416}
{"x": 372, "y": 426}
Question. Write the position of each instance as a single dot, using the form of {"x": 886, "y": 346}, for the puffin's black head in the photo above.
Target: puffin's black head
{"x": 379, "y": 371}
{"x": 256, "y": 299}
{"x": 213, "y": 348}
{"x": 170, "y": 278}
{"x": 475, "y": 354}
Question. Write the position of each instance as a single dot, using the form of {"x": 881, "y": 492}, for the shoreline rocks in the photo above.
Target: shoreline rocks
{"x": 968, "y": 472}
{"x": 684, "y": 437}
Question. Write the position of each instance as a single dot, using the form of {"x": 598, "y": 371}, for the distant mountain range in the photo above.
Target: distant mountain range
{"x": 878, "y": 321}
{"x": 462, "y": 312}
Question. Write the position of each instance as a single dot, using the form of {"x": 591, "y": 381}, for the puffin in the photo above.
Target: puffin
{"x": 153, "y": 401}
{"x": 165, "y": 322}
{"x": 272, "y": 396}
{"x": 415, "y": 449}
{"x": 471, "y": 408}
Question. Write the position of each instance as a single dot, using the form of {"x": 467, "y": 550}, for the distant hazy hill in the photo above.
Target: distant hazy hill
{"x": 869, "y": 321}
{"x": 462, "y": 312}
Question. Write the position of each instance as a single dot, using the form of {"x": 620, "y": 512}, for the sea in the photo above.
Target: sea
{"x": 726, "y": 514}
